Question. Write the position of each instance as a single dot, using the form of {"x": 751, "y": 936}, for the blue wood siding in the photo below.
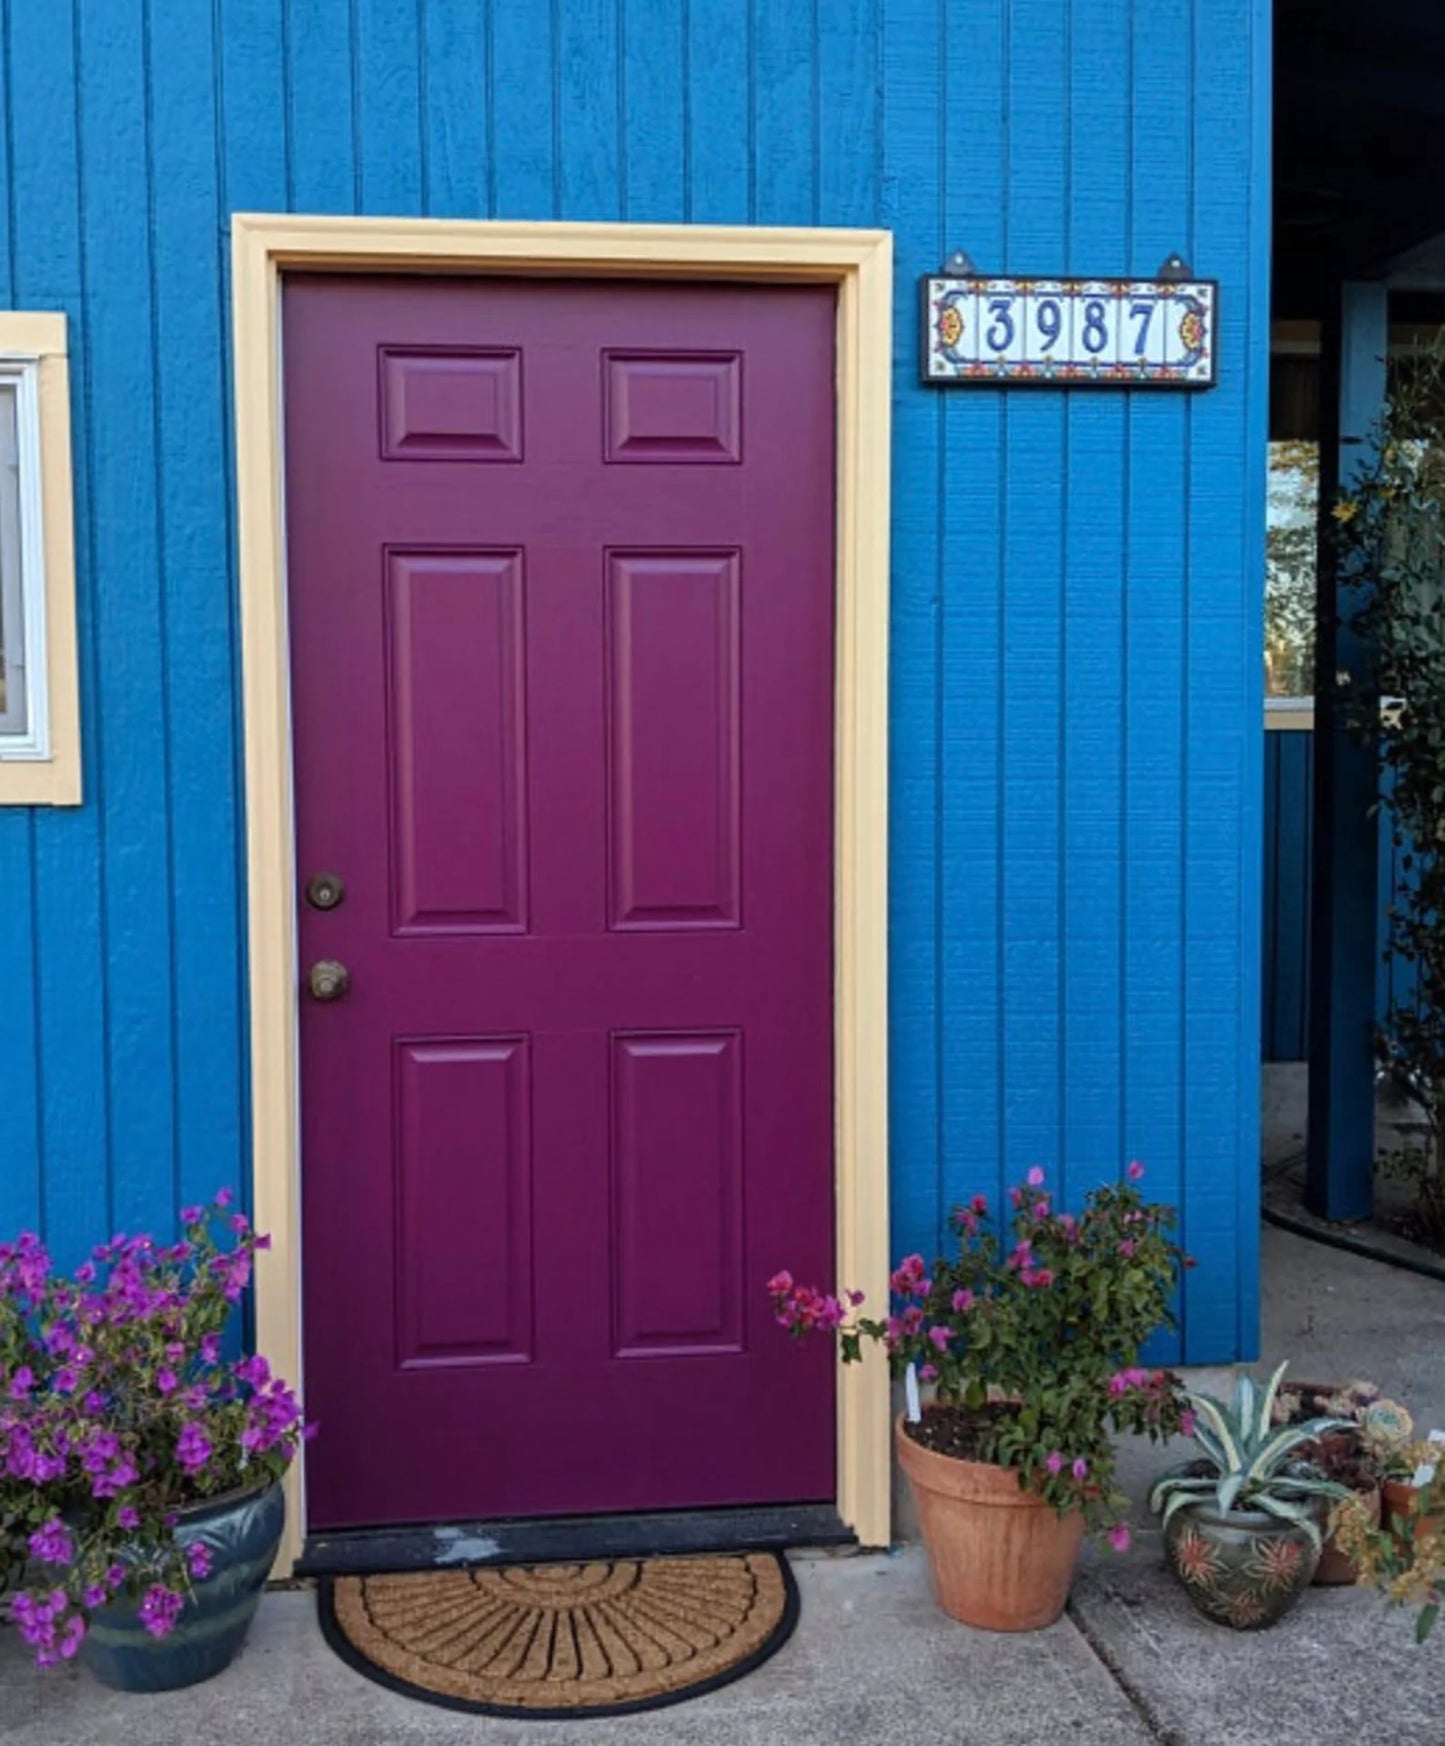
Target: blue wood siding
{"x": 1077, "y": 580}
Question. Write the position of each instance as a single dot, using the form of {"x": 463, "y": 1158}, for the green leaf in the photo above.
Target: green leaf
{"x": 1425, "y": 1624}
{"x": 1299, "y": 1514}
{"x": 1209, "y": 1410}
{"x": 1266, "y": 1411}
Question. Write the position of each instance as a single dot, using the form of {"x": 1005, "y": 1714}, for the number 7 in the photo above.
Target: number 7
{"x": 1143, "y": 312}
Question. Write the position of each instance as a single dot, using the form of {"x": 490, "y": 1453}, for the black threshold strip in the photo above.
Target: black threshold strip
{"x": 554, "y": 1539}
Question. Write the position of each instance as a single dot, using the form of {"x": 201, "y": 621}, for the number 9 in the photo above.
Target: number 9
{"x": 1050, "y": 319}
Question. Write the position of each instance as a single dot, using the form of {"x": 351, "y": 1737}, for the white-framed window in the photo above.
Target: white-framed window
{"x": 24, "y": 719}
{"x": 39, "y": 681}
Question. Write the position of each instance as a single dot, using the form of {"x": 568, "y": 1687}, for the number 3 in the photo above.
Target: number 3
{"x": 1000, "y": 334}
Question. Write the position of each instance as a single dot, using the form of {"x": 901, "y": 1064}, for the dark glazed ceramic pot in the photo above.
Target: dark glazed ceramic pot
{"x": 242, "y": 1533}
{"x": 1245, "y": 1569}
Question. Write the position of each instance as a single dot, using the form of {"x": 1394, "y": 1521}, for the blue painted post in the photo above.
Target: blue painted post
{"x": 1340, "y": 1181}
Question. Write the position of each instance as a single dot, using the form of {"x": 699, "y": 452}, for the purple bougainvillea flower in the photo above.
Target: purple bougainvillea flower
{"x": 1054, "y": 1462}
{"x": 193, "y": 1447}
{"x": 224, "y": 1197}
{"x": 928, "y": 1373}
{"x": 198, "y": 1557}
{"x": 51, "y": 1544}
{"x": 1080, "y": 1469}
{"x": 1035, "y": 1177}
{"x": 128, "y": 1517}
{"x": 1136, "y": 1171}
{"x": 941, "y": 1338}
{"x": 1119, "y": 1536}
{"x": 962, "y": 1301}
{"x": 193, "y": 1215}
{"x": 160, "y": 1608}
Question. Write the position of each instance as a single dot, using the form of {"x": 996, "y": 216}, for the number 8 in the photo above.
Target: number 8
{"x": 1096, "y": 335}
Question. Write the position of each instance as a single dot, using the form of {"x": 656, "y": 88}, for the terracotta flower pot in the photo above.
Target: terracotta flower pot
{"x": 1001, "y": 1558}
{"x": 1337, "y": 1568}
{"x": 1399, "y": 1500}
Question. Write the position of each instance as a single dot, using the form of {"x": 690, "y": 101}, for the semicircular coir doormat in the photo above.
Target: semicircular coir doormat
{"x": 556, "y": 1640}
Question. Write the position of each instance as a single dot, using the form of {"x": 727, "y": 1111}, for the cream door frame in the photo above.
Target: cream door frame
{"x": 860, "y": 264}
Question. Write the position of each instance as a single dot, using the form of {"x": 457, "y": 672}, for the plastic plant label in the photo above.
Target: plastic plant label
{"x": 910, "y": 1395}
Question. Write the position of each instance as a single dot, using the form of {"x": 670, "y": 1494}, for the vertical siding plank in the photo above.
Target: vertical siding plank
{"x": 319, "y": 69}
{"x": 1033, "y": 559}
{"x": 69, "y": 931}
{"x": 388, "y": 99}
{"x": 719, "y": 177}
{"x": 910, "y": 208}
{"x": 1093, "y": 661}
{"x": 655, "y": 180}
{"x": 784, "y": 138}
{"x": 20, "y": 1180}
{"x": 524, "y": 104}
{"x": 255, "y": 120}
{"x": 130, "y": 613}
{"x": 1155, "y": 669}
{"x": 849, "y": 112}
{"x": 457, "y": 104}
{"x": 1224, "y": 695}
{"x": 200, "y": 653}
{"x": 590, "y": 165}
{"x": 973, "y": 510}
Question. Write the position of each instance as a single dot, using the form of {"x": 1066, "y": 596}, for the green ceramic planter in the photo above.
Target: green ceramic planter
{"x": 1245, "y": 1569}
{"x": 242, "y": 1533}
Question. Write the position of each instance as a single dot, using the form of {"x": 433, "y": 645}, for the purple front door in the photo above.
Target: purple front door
{"x": 561, "y": 598}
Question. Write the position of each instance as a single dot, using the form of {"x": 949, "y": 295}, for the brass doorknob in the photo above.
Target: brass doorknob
{"x": 328, "y": 979}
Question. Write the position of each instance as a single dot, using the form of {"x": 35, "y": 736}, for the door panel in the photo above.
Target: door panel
{"x": 561, "y": 591}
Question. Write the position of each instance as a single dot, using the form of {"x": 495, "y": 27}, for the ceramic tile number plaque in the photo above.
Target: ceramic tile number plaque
{"x": 1122, "y": 333}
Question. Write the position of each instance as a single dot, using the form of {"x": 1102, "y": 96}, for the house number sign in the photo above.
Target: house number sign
{"x": 1059, "y": 333}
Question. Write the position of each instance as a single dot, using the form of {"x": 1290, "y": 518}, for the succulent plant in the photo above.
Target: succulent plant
{"x": 1253, "y": 1463}
{"x": 1388, "y": 1431}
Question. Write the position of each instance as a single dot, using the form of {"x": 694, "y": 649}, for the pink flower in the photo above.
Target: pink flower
{"x": 912, "y": 1319}
{"x": 1119, "y": 1536}
{"x": 855, "y": 1298}
{"x": 778, "y": 1286}
{"x": 1035, "y": 1177}
{"x": 962, "y": 1301}
{"x": 1080, "y": 1469}
{"x": 224, "y": 1197}
{"x": 1118, "y": 1384}
{"x": 1041, "y": 1209}
{"x": 927, "y": 1373}
{"x": 1054, "y": 1462}
{"x": 1040, "y": 1279}
{"x": 198, "y": 1557}
{"x": 941, "y": 1338}
{"x": 1022, "y": 1255}
{"x": 1186, "y": 1421}
{"x": 127, "y": 1517}
{"x": 1126, "y": 1249}
{"x": 165, "y": 1381}
{"x": 1136, "y": 1171}
{"x": 978, "y": 1206}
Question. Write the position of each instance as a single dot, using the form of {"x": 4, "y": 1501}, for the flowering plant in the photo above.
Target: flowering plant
{"x": 117, "y": 1409}
{"x": 1031, "y": 1339}
{"x": 1405, "y": 1562}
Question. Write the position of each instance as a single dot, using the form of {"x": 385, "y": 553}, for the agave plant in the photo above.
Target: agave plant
{"x": 1255, "y": 1462}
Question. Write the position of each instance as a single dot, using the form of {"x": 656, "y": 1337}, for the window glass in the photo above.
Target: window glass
{"x": 1289, "y": 580}
{"x": 14, "y": 711}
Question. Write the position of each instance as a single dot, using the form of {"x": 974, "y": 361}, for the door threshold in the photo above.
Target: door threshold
{"x": 570, "y": 1539}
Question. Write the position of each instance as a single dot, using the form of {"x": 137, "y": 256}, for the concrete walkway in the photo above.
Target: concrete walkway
{"x": 874, "y": 1662}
